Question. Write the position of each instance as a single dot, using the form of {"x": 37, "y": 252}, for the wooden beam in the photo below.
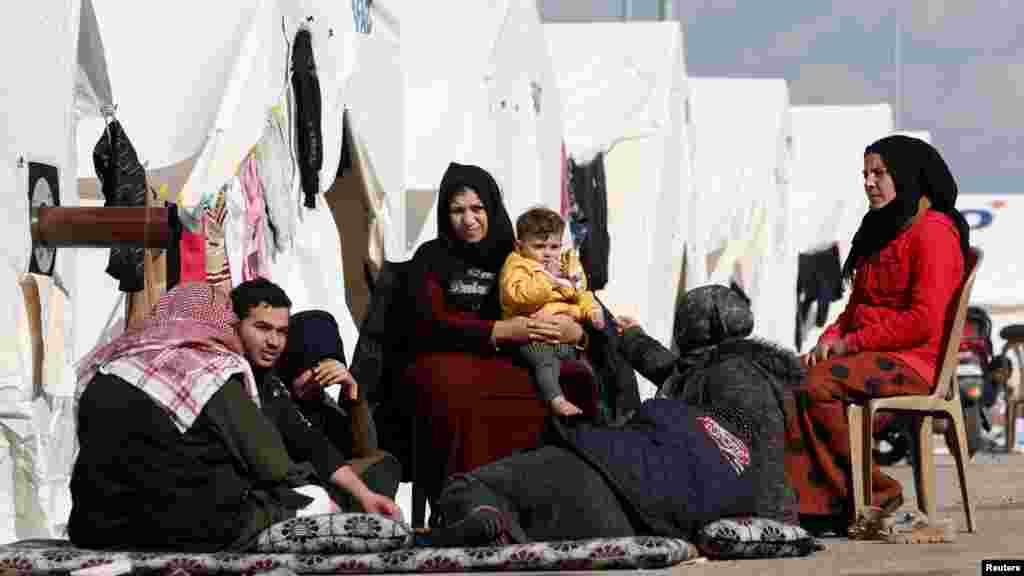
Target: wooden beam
{"x": 100, "y": 227}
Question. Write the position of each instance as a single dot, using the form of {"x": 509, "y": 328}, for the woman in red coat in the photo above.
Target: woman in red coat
{"x": 906, "y": 264}
{"x": 457, "y": 334}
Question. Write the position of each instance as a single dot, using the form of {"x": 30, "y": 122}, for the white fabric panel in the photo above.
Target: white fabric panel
{"x": 615, "y": 80}
{"x": 312, "y": 273}
{"x": 470, "y": 97}
{"x": 375, "y": 100}
{"x": 741, "y": 165}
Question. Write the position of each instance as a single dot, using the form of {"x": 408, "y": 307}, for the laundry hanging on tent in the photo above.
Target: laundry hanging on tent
{"x": 123, "y": 183}
{"x": 218, "y": 272}
{"x": 276, "y": 168}
{"x": 193, "y": 255}
{"x": 819, "y": 280}
{"x": 308, "y": 130}
{"x": 361, "y": 16}
{"x": 588, "y": 218}
{"x": 345, "y": 162}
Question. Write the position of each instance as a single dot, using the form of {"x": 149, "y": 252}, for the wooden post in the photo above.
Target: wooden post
{"x": 84, "y": 227}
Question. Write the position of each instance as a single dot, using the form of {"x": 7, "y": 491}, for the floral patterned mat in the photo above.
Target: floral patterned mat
{"x": 59, "y": 557}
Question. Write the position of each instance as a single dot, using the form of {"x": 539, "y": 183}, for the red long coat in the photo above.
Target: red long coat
{"x": 901, "y": 296}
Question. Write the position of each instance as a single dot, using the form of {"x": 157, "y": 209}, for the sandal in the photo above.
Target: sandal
{"x": 913, "y": 528}
{"x": 870, "y": 523}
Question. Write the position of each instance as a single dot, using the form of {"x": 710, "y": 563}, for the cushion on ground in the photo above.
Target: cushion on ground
{"x": 754, "y": 538}
{"x": 346, "y": 533}
{"x": 58, "y": 556}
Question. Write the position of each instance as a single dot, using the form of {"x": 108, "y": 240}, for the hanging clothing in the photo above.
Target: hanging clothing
{"x": 254, "y": 252}
{"x": 819, "y": 280}
{"x": 234, "y": 228}
{"x": 193, "y": 255}
{"x": 361, "y": 16}
{"x": 308, "y": 129}
{"x": 123, "y": 182}
{"x": 589, "y": 191}
{"x": 276, "y": 168}
{"x": 218, "y": 272}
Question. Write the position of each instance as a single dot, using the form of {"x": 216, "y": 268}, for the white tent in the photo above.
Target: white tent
{"x": 481, "y": 94}
{"x": 54, "y": 52}
{"x": 827, "y": 187}
{"x": 193, "y": 111}
{"x": 625, "y": 93}
{"x": 741, "y": 157}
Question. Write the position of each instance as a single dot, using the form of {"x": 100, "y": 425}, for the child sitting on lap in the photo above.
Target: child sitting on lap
{"x": 538, "y": 278}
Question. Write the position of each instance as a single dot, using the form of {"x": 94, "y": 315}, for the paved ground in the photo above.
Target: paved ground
{"x": 996, "y": 483}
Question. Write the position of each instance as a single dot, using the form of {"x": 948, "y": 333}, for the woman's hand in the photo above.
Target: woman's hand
{"x": 512, "y": 330}
{"x": 825, "y": 349}
{"x": 330, "y": 372}
{"x": 568, "y": 331}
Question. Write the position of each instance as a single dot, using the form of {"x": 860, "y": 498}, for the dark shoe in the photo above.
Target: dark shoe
{"x": 483, "y": 526}
{"x": 818, "y": 525}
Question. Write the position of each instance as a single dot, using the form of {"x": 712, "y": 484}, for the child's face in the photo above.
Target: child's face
{"x": 543, "y": 249}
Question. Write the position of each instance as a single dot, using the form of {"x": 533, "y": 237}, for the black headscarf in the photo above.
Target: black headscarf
{"x": 458, "y": 262}
{"x": 313, "y": 336}
{"x": 917, "y": 169}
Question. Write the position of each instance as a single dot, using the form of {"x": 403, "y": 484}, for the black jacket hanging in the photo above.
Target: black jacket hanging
{"x": 819, "y": 280}
{"x": 123, "y": 182}
{"x": 587, "y": 186}
{"x": 306, "y": 87}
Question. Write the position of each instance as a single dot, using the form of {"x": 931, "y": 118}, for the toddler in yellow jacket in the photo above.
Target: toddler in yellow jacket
{"x": 539, "y": 278}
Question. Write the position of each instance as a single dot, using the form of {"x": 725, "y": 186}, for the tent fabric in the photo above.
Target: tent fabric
{"x": 641, "y": 127}
{"x": 741, "y": 130}
{"x": 496, "y": 105}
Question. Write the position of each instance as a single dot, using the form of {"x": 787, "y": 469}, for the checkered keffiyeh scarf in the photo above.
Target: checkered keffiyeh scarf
{"x": 182, "y": 354}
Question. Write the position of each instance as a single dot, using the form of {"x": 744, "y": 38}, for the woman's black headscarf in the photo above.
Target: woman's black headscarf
{"x": 460, "y": 263}
{"x": 711, "y": 314}
{"x": 917, "y": 169}
{"x": 313, "y": 336}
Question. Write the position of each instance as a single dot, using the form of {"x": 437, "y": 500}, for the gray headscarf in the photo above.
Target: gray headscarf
{"x": 710, "y": 315}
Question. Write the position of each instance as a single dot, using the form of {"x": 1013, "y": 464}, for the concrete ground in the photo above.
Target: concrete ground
{"x": 996, "y": 484}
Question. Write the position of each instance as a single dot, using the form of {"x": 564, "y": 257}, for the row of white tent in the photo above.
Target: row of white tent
{"x": 707, "y": 179}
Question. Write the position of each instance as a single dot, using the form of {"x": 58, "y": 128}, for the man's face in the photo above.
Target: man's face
{"x": 264, "y": 333}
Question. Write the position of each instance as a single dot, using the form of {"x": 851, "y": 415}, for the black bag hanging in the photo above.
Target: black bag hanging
{"x": 306, "y": 87}
{"x": 123, "y": 181}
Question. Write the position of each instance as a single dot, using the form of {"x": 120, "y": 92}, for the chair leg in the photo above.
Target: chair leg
{"x": 855, "y": 419}
{"x": 961, "y": 456}
{"x": 924, "y": 472}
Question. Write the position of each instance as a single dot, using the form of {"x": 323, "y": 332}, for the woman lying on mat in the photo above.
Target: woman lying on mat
{"x": 708, "y": 446}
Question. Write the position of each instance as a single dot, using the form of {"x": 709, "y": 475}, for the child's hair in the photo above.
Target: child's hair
{"x": 539, "y": 222}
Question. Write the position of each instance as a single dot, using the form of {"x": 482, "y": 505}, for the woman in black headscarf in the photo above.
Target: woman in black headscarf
{"x": 457, "y": 334}
{"x": 906, "y": 264}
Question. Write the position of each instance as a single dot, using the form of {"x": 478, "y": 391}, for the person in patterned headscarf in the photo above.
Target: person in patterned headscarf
{"x": 718, "y": 410}
{"x": 174, "y": 453}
